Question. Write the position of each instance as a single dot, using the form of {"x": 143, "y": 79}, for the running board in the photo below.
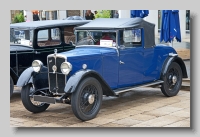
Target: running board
{"x": 121, "y": 90}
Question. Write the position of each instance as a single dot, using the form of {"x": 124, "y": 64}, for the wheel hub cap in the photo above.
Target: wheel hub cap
{"x": 91, "y": 99}
{"x": 174, "y": 79}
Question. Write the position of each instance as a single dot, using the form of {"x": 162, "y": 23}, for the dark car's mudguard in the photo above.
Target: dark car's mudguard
{"x": 176, "y": 59}
{"x": 40, "y": 80}
{"x": 25, "y": 77}
{"x": 76, "y": 78}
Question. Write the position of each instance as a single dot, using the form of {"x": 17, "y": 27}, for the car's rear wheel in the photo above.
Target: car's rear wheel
{"x": 86, "y": 100}
{"x": 11, "y": 86}
{"x": 28, "y": 102}
{"x": 172, "y": 80}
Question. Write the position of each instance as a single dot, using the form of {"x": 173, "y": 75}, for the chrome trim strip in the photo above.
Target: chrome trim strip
{"x": 172, "y": 54}
{"x": 139, "y": 86}
{"x": 96, "y": 46}
{"x": 56, "y": 75}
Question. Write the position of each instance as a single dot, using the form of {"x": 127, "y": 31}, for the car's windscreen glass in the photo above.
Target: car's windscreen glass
{"x": 21, "y": 37}
{"x": 99, "y": 37}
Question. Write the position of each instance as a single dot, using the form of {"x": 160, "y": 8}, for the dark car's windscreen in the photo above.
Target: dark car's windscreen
{"x": 100, "y": 38}
{"x": 21, "y": 37}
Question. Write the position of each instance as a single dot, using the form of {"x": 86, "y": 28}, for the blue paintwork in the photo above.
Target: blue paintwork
{"x": 102, "y": 60}
{"x": 75, "y": 79}
{"x": 140, "y": 65}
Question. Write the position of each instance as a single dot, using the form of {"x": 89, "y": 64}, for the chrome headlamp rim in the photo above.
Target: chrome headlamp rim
{"x": 65, "y": 68}
{"x": 37, "y": 65}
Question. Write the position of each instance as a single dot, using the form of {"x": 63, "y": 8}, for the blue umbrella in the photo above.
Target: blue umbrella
{"x": 139, "y": 13}
{"x": 170, "y": 27}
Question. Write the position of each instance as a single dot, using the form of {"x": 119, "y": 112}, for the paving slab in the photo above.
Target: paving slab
{"x": 144, "y": 107}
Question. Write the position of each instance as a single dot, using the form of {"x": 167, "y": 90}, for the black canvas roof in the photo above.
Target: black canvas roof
{"x": 46, "y": 23}
{"x": 115, "y": 23}
{"x": 123, "y": 23}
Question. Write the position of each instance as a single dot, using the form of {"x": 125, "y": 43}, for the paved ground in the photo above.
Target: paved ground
{"x": 146, "y": 107}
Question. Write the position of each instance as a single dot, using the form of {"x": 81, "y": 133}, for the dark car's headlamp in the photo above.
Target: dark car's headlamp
{"x": 37, "y": 65}
{"x": 66, "y": 67}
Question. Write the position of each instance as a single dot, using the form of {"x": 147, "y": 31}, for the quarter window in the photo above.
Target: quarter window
{"x": 131, "y": 38}
{"x": 48, "y": 37}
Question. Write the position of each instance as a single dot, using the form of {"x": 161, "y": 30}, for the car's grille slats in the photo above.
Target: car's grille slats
{"x": 57, "y": 80}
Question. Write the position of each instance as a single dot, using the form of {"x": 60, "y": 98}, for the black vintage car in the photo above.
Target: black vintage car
{"x": 35, "y": 40}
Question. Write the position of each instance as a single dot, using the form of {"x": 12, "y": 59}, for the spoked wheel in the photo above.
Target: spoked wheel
{"x": 28, "y": 102}
{"x": 86, "y": 101}
{"x": 172, "y": 80}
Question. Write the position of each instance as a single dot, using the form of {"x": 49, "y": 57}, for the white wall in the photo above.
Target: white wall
{"x": 28, "y": 14}
{"x": 182, "y": 18}
{"x": 124, "y": 13}
{"x": 153, "y": 18}
{"x": 62, "y": 14}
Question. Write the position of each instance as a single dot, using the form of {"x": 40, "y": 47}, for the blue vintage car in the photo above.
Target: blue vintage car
{"x": 111, "y": 56}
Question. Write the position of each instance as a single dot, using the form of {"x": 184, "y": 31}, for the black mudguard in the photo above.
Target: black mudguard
{"x": 176, "y": 59}
{"x": 40, "y": 80}
{"x": 25, "y": 77}
{"x": 76, "y": 78}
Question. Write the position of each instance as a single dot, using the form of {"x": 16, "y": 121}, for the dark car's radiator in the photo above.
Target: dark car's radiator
{"x": 57, "y": 80}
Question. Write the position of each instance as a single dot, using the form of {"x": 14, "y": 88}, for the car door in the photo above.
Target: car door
{"x": 130, "y": 58}
{"x": 150, "y": 68}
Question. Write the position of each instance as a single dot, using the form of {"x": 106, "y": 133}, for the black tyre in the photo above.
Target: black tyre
{"x": 11, "y": 86}
{"x": 87, "y": 99}
{"x": 28, "y": 102}
{"x": 172, "y": 80}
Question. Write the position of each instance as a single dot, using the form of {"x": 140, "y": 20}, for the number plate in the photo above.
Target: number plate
{"x": 44, "y": 99}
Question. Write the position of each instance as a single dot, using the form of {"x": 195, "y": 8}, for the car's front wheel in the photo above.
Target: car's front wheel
{"x": 28, "y": 102}
{"x": 172, "y": 80}
{"x": 86, "y": 100}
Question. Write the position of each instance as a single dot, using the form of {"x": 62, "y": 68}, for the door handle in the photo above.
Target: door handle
{"x": 37, "y": 52}
{"x": 121, "y": 62}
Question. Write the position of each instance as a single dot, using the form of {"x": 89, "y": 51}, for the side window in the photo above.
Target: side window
{"x": 131, "y": 38}
{"x": 69, "y": 34}
{"x": 48, "y": 37}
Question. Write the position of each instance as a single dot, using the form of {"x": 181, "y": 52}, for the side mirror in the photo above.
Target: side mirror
{"x": 122, "y": 47}
{"x": 71, "y": 43}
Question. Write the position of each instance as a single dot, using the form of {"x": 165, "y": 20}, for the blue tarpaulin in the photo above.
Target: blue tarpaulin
{"x": 139, "y": 13}
{"x": 170, "y": 27}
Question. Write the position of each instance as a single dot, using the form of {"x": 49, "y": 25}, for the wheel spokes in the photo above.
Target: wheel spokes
{"x": 88, "y": 99}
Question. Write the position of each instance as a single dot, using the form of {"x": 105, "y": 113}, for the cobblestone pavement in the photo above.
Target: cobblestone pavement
{"x": 145, "y": 107}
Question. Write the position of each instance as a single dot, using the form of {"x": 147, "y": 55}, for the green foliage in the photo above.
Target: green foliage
{"x": 103, "y": 14}
{"x": 19, "y": 17}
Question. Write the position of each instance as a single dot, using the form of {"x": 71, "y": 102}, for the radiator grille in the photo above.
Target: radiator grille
{"x": 57, "y": 80}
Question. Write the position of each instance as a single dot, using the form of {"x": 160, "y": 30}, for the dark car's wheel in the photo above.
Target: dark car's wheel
{"x": 11, "y": 86}
{"x": 172, "y": 80}
{"x": 86, "y": 100}
{"x": 28, "y": 101}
